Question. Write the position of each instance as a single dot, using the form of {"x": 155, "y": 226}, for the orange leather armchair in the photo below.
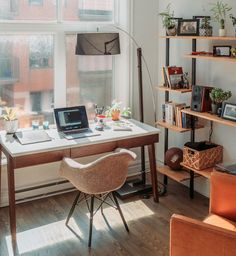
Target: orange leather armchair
{"x": 216, "y": 235}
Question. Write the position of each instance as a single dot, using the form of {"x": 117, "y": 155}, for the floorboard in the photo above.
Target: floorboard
{"x": 41, "y": 229}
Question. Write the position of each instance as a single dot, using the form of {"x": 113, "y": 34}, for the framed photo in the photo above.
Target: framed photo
{"x": 229, "y": 111}
{"x": 201, "y": 18}
{"x": 222, "y": 51}
{"x": 188, "y": 27}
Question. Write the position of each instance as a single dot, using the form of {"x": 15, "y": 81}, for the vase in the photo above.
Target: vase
{"x": 215, "y": 107}
{"x": 115, "y": 115}
{"x": 11, "y": 126}
{"x": 222, "y": 32}
{"x": 171, "y": 32}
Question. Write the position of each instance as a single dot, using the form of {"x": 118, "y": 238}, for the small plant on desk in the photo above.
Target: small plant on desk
{"x": 10, "y": 120}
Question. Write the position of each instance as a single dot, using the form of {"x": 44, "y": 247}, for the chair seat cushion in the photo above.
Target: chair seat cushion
{"x": 221, "y": 222}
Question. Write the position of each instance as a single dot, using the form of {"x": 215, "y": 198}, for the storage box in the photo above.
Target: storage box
{"x": 204, "y": 159}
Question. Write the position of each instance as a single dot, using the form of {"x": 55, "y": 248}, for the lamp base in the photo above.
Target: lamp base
{"x": 133, "y": 188}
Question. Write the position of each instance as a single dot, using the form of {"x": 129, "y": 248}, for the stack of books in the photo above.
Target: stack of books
{"x": 174, "y": 78}
{"x": 171, "y": 114}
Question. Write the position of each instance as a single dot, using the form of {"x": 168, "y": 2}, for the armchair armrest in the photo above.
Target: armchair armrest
{"x": 196, "y": 238}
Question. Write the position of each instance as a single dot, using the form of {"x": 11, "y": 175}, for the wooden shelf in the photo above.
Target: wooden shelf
{"x": 176, "y": 128}
{"x": 178, "y": 175}
{"x": 218, "y": 38}
{"x": 210, "y": 57}
{"x": 210, "y": 117}
{"x": 172, "y": 127}
{"x": 167, "y": 89}
{"x": 205, "y": 173}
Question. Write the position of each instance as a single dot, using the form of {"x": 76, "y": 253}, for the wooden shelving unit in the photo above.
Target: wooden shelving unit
{"x": 207, "y": 116}
{"x": 205, "y": 173}
{"x": 179, "y": 175}
{"x": 211, "y": 57}
{"x": 166, "y": 89}
{"x": 210, "y": 117}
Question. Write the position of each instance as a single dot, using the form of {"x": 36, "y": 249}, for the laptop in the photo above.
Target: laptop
{"x": 72, "y": 122}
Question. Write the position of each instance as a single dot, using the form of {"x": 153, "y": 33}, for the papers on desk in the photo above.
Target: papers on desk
{"x": 121, "y": 126}
{"x": 30, "y": 137}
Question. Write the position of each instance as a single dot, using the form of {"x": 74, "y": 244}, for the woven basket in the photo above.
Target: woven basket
{"x": 200, "y": 160}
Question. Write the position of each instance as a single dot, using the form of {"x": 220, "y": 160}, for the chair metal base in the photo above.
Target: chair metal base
{"x": 90, "y": 207}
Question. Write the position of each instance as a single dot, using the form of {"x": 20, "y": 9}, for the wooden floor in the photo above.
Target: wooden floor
{"x": 41, "y": 229}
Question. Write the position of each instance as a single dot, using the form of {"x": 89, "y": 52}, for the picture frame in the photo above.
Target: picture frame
{"x": 229, "y": 111}
{"x": 200, "y": 18}
{"x": 188, "y": 27}
{"x": 222, "y": 50}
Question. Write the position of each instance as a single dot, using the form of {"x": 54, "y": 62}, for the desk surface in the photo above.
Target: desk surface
{"x": 14, "y": 148}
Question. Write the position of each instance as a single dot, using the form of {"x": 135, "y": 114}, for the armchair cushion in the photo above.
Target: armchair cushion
{"x": 221, "y": 222}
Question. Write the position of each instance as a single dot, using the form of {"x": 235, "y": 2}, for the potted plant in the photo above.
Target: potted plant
{"x": 233, "y": 18}
{"x": 114, "y": 110}
{"x": 206, "y": 28}
{"x": 10, "y": 120}
{"x": 219, "y": 12}
{"x": 217, "y": 96}
{"x": 168, "y": 22}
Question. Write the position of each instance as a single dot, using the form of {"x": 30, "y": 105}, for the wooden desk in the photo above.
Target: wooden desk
{"x": 19, "y": 156}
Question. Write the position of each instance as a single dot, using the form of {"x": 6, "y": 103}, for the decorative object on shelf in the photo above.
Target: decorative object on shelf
{"x": 202, "y": 155}
{"x": 10, "y": 120}
{"x": 233, "y": 18}
{"x": 189, "y": 27}
{"x": 201, "y": 101}
{"x": 229, "y": 111}
{"x": 233, "y": 52}
{"x": 205, "y": 25}
{"x": 173, "y": 158}
{"x": 222, "y": 51}
{"x": 219, "y": 13}
{"x": 168, "y": 21}
{"x": 218, "y": 96}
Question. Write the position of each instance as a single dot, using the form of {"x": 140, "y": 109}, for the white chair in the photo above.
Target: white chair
{"x": 99, "y": 180}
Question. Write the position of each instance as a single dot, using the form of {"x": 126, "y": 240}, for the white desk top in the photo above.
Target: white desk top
{"x": 14, "y": 148}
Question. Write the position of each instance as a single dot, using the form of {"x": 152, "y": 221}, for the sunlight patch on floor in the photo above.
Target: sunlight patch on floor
{"x": 131, "y": 211}
{"x": 33, "y": 239}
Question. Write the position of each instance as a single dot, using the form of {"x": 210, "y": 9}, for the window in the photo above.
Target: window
{"x": 38, "y": 66}
{"x": 36, "y": 2}
{"x": 88, "y": 10}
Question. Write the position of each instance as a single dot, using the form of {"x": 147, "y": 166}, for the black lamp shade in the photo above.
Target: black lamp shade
{"x": 98, "y": 44}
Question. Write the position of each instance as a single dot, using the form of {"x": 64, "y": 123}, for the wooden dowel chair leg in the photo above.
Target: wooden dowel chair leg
{"x": 91, "y": 221}
{"x": 73, "y": 208}
{"x": 119, "y": 209}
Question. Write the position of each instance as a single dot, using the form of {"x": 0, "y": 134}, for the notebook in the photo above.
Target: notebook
{"x": 72, "y": 122}
{"x": 30, "y": 137}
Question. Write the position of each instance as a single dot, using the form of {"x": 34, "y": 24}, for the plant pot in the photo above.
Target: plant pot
{"x": 205, "y": 32}
{"x": 115, "y": 115}
{"x": 215, "y": 108}
{"x": 171, "y": 32}
{"x": 222, "y": 32}
{"x": 11, "y": 126}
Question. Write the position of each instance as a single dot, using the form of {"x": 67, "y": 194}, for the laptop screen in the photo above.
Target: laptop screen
{"x": 71, "y": 118}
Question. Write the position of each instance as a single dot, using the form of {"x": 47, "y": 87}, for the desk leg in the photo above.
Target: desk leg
{"x": 11, "y": 195}
{"x": 152, "y": 161}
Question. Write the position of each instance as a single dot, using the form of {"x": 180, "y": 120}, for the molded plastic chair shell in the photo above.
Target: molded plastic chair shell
{"x": 106, "y": 174}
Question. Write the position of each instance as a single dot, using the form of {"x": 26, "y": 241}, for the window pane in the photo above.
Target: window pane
{"x": 28, "y": 10}
{"x": 89, "y": 79}
{"x": 29, "y": 89}
{"x": 88, "y": 10}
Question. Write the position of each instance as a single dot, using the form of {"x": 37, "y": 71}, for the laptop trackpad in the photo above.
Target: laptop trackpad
{"x": 81, "y": 135}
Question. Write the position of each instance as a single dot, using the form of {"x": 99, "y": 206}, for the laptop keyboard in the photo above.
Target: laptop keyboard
{"x": 87, "y": 131}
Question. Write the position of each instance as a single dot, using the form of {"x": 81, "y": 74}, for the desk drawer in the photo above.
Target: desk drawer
{"x": 40, "y": 158}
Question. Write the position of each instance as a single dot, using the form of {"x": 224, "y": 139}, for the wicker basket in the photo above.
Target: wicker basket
{"x": 200, "y": 160}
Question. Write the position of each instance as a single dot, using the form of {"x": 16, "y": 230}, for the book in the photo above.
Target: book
{"x": 175, "y": 77}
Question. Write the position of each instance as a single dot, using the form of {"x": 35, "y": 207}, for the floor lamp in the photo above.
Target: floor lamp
{"x": 93, "y": 44}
